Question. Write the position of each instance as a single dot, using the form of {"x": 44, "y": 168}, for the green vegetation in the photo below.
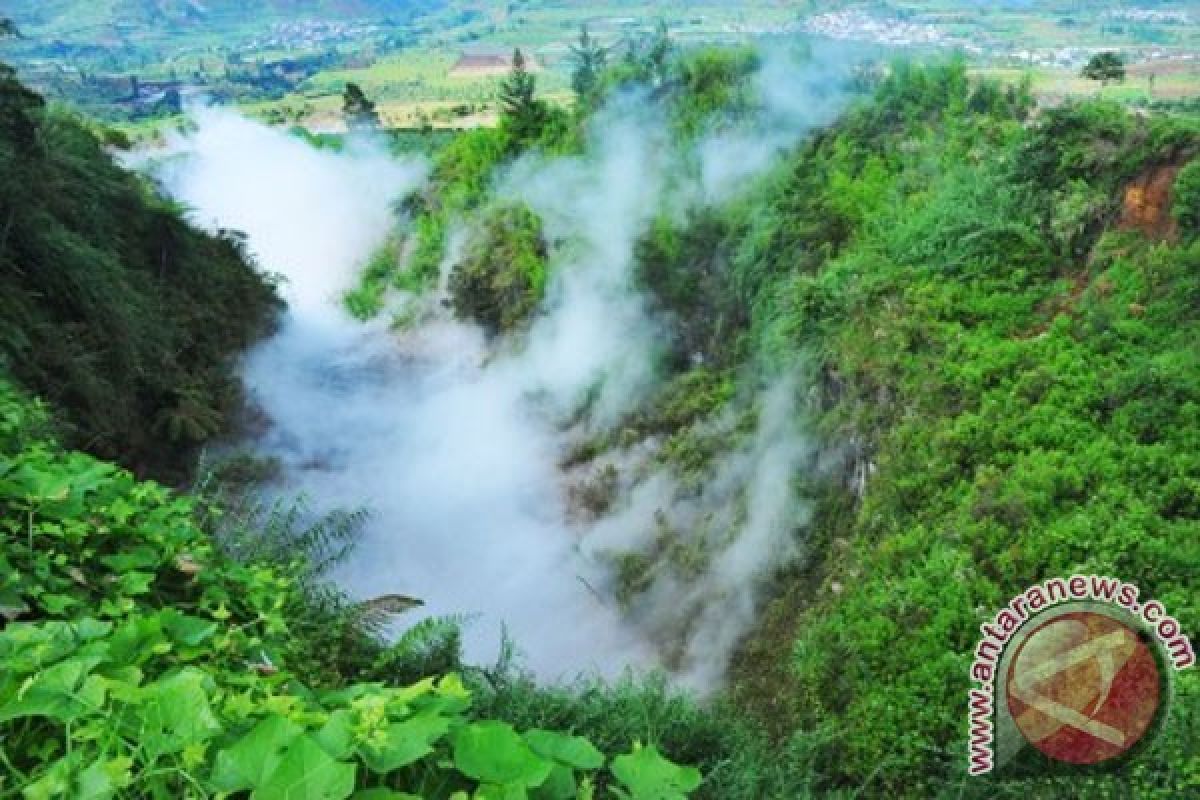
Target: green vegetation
{"x": 148, "y": 662}
{"x": 524, "y": 114}
{"x": 1020, "y": 378}
{"x": 502, "y": 275}
{"x": 359, "y": 112}
{"x": 501, "y": 278}
{"x": 1006, "y": 377}
{"x": 1187, "y": 199}
{"x": 1105, "y": 67}
{"x": 1040, "y": 376}
{"x": 1014, "y": 371}
{"x": 589, "y": 58}
{"x": 111, "y": 308}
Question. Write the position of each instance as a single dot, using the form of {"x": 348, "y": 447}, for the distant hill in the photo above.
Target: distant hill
{"x": 63, "y": 17}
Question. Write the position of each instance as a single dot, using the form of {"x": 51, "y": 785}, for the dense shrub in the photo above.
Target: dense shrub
{"x": 501, "y": 276}
{"x": 1186, "y": 208}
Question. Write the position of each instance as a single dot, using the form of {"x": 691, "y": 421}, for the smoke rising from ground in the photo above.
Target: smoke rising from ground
{"x": 454, "y": 460}
{"x": 794, "y": 97}
{"x": 453, "y": 442}
{"x": 595, "y": 333}
{"x": 312, "y": 216}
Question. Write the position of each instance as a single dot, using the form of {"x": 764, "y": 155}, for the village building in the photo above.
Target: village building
{"x": 484, "y": 64}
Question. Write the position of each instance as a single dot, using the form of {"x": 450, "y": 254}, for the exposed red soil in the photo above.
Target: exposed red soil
{"x": 1147, "y": 203}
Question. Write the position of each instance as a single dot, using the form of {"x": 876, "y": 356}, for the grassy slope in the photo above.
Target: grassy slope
{"x": 112, "y": 307}
{"x": 1017, "y": 377}
{"x": 1027, "y": 390}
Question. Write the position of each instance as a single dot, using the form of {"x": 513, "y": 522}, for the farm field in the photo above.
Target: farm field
{"x": 289, "y": 62}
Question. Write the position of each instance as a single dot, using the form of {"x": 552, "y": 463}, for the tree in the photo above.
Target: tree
{"x": 648, "y": 56}
{"x": 1105, "y": 67}
{"x": 659, "y": 51}
{"x": 9, "y": 29}
{"x": 524, "y": 114}
{"x": 172, "y": 102}
{"x": 20, "y": 109}
{"x": 590, "y": 58}
{"x": 359, "y": 112}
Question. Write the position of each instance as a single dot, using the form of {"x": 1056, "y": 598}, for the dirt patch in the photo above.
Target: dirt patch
{"x": 1147, "y": 203}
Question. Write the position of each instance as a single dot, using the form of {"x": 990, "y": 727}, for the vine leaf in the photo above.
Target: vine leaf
{"x": 248, "y": 763}
{"x": 307, "y": 772}
{"x": 406, "y": 742}
{"x": 493, "y": 753}
{"x": 573, "y": 751}
{"x": 649, "y": 776}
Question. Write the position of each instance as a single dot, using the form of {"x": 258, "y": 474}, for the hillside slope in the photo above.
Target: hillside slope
{"x": 993, "y": 313}
{"x": 1000, "y": 323}
{"x": 111, "y": 307}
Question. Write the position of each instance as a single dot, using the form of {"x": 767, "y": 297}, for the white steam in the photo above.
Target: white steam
{"x": 456, "y": 461}
{"x": 595, "y": 331}
{"x": 453, "y": 443}
{"x": 311, "y": 215}
{"x": 794, "y": 99}
{"x": 742, "y": 522}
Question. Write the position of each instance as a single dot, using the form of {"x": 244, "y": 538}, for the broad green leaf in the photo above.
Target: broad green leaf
{"x": 88, "y": 629}
{"x": 407, "y": 694}
{"x": 382, "y": 794}
{"x": 574, "y": 751}
{"x": 54, "y": 782}
{"x": 560, "y": 785}
{"x": 136, "y": 582}
{"x": 450, "y": 697}
{"x": 63, "y": 692}
{"x": 337, "y": 734}
{"x": 493, "y": 791}
{"x": 492, "y": 752}
{"x": 57, "y": 604}
{"x": 174, "y": 712}
{"x": 28, "y": 647}
{"x": 248, "y": 762}
{"x": 102, "y": 779}
{"x": 134, "y": 558}
{"x": 135, "y": 641}
{"x": 649, "y": 776}
{"x": 307, "y": 772}
{"x": 406, "y": 742}
{"x": 186, "y": 629}
{"x": 347, "y": 695}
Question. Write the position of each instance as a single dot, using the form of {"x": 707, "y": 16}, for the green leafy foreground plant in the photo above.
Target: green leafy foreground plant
{"x": 139, "y": 661}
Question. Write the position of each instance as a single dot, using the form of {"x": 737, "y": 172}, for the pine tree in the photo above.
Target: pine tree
{"x": 648, "y": 56}
{"x": 659, "y": 51}
{"x": 524, "y": 114}
{"x": 590, "y": 58}
{"x": 359, "y": 112}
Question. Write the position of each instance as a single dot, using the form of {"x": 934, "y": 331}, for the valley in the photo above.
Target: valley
{"x": 659, "y": 415}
